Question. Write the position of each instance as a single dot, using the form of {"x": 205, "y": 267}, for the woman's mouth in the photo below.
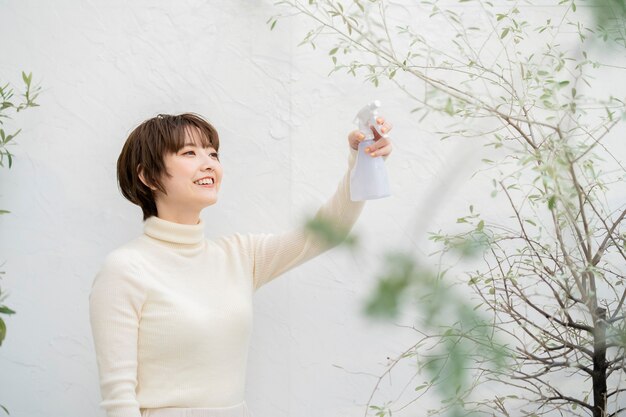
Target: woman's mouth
{"x": 205, "y": 183}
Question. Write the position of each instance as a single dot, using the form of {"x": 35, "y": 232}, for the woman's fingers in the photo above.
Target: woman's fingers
{"x": 381, "y": 146}
{"x": 354, "y": 138}
{"x": 386, "y": 125}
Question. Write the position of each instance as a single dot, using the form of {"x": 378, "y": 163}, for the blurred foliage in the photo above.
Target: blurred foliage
{"x": 8, "y": 107}
{"x": 331, "y": 233}
{"x": 551, "y": 127}
{"x": 609, "y": 16}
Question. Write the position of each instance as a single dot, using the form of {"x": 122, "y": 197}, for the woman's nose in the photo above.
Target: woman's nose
{"x": 208, "y": 162}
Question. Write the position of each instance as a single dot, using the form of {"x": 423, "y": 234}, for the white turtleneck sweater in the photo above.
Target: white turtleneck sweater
{"x": 171, "y": 311}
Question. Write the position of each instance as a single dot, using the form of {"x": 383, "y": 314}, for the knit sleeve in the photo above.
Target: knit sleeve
{"x": 274, "y": 254}
{"x": 115, "y": 303}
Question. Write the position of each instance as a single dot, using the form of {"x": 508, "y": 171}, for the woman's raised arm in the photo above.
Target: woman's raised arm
{"x": 272, "y": 255}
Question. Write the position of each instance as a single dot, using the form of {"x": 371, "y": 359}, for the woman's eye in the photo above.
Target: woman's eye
{"x": 213, "y": 154}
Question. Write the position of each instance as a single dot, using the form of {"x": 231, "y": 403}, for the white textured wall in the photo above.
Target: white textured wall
{"x": 105, "y": 66}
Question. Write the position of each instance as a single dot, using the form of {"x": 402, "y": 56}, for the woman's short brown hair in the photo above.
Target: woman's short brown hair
{"x": 145, "y": 147}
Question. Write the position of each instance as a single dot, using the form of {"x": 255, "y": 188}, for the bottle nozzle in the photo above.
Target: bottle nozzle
{"x": 366, "y": 118}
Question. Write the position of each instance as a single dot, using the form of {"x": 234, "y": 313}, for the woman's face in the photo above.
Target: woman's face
{"x": 185, "y": 197}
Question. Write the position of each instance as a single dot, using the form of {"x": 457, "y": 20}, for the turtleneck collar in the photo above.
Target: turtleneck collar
{"x": 174, "y": 232}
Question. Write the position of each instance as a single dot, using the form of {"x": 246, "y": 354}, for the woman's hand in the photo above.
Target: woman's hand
{"x": 380, "y": 147}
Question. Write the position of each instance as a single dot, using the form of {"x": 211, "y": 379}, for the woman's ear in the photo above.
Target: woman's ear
{"x": 141, "y": 177}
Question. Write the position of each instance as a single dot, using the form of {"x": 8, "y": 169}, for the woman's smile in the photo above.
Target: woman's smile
{"x": 205, "y": 185}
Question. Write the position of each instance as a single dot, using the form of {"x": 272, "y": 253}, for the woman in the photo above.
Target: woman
{"x": 171, "y": 311}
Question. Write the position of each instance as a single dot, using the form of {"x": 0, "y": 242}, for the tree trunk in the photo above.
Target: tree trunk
{"x": 599, "y": 364}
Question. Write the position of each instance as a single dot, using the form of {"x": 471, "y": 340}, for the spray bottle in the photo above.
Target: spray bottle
{"x": 368, "y": 179}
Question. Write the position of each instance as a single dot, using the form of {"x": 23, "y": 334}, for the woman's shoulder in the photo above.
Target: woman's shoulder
{"x": 118, "y": 275}
{"x": 124, "y": 256}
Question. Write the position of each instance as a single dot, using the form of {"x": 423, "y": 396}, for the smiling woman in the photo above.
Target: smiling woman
{"x": 171, "y": 311}
{"x": 170, "y": 152}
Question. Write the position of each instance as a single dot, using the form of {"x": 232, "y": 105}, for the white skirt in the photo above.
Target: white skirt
{"x": 239, "y": 410}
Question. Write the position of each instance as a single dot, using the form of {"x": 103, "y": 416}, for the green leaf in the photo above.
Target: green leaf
{"x": 551, "y": 202}
{"x": 504, "y": 33}
{"x": 6, "y": 310}
{"x": 8, "y": 138}
{"x": 333, "y": 51}
{"x": 481, "y": 225}
{"x": 26, "y": 78}
{"x": 273, "y": 24}
{"x": 3, "y": 331}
